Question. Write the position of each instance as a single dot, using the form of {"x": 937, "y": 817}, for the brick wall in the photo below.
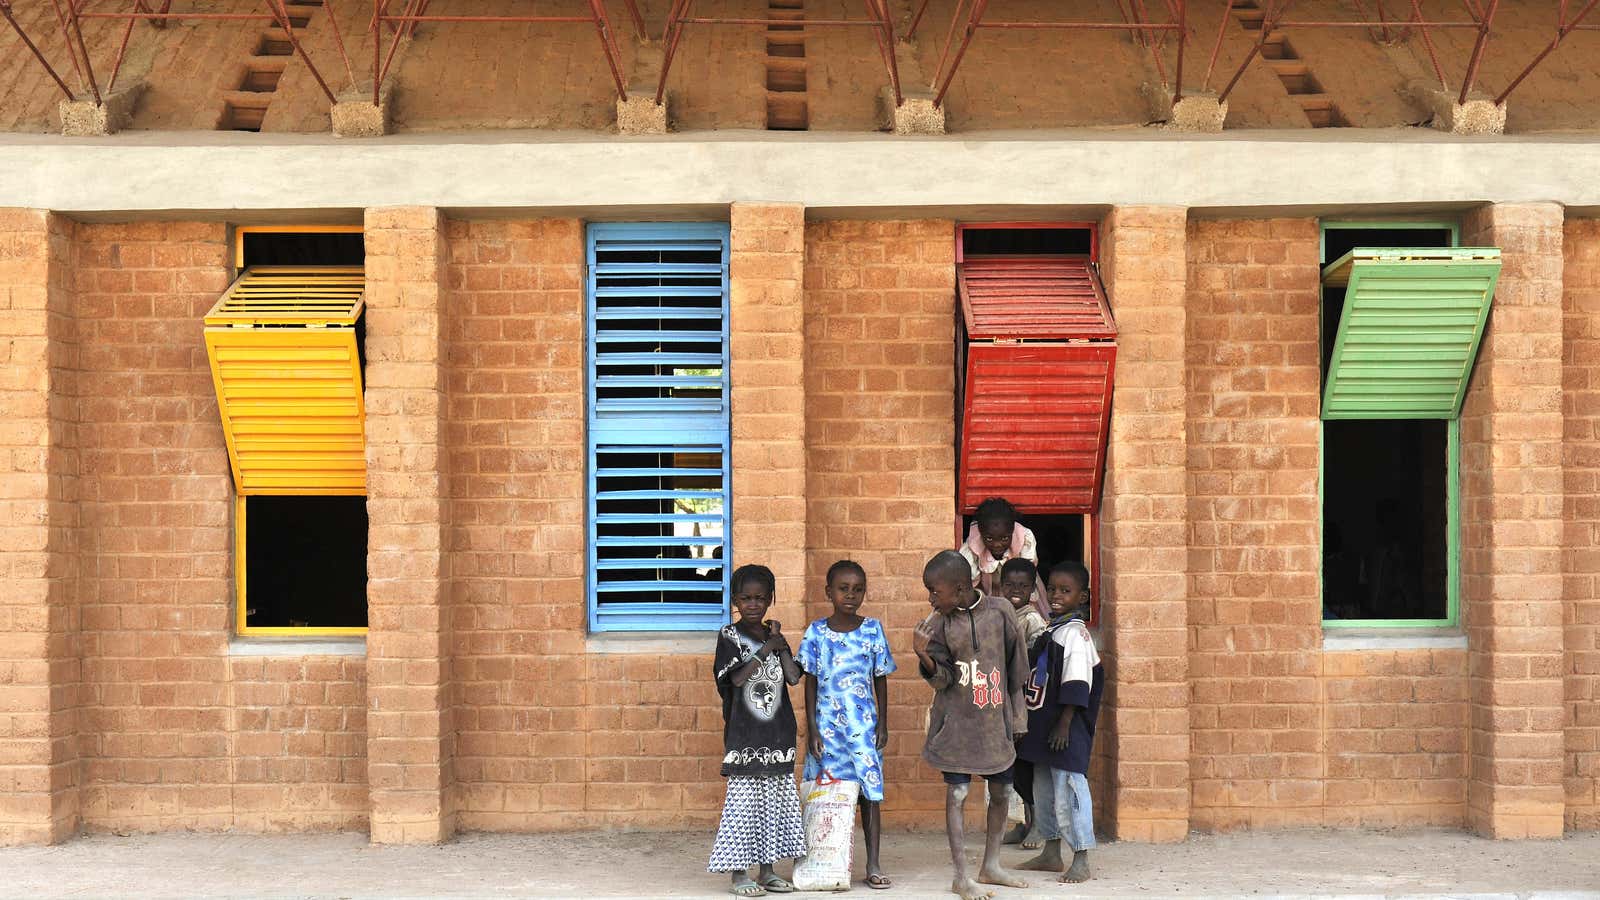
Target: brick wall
{"x": 1285, "y": 734}
{"x": 515, "y": 438}
{"x": 769, "y": 416}
{"x": 411, "y": 736}
{"x": 297, "y": 743}
{"x": 174, "y": 733}
{"x": 880, "y": 432}
{"x": 39, "y": 653}
{"x": 1253, "y": 512}
{"x": 1143, "y": 565}
{"x": 1394, "y": 735}
{"x": 1581, "y": 536}
{"x": 550, "y": 734}
{"x": 1512, "y": 530}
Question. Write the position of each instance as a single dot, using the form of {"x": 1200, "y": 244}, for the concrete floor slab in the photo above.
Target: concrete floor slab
{"x": 591, "y": 865}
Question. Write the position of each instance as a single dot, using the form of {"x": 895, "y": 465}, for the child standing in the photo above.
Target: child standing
{"x": 754, "y": 667}
{"x": 995, "y": 537}
{"x": 1063, "y": 703}
{"x": 971, "y": 653}
{"x": 1017, "y": 577}
{"x": 847, "y": 660}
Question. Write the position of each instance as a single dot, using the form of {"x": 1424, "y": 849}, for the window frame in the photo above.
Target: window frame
{"x": 693, "y": 617}
{"x": 1452, "y": 617}
{"x": 241, "y": 626}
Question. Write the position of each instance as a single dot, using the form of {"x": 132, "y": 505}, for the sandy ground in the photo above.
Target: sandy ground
{"x": 587, "y": 865}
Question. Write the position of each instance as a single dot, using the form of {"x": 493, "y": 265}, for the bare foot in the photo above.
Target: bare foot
{"x": 997, "y": 875}
{"x": 1079, "y": 870}
{"x": 1016, "y": 835}
{"x": 1032, "y": 841}
{"x": 1044, "y": 862}
{"x": 967, "y": 889}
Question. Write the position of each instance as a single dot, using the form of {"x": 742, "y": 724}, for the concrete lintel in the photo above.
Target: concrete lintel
{"x": 1397, "y": 168}
{"x": 291, "y": 646}
{"x": 657, "y": 643}
{"x": 1338, "y": 640}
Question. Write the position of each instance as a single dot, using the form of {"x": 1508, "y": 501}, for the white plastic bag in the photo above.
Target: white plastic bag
{"x": 830, "y": 817}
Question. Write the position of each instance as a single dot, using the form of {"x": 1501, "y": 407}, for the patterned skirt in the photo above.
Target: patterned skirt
{"x": 761, "y": 824}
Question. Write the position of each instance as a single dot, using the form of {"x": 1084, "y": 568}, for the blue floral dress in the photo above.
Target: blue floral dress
{"x": 845, "y": 665}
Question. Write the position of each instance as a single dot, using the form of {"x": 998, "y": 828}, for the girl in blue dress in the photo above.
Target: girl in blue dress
{"x": 846, "y": 659}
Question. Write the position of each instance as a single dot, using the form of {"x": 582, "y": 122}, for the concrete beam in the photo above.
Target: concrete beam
{"x": 154, "y": 172}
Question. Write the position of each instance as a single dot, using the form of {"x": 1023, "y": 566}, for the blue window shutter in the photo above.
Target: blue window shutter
{"x": 659, "y": 435}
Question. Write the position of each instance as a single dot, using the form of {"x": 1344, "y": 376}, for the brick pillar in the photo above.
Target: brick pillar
{"x": 768, "y": 372}
{"x": 39, "y": 658}
{"x": 1511, "y": 513}
{"x": 410, "y": 738}
{"x": 1144, "y": 531}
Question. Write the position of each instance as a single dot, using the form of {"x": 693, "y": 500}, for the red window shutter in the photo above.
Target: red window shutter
{"x": 1033, "y": 298}
{"x": 1040, "y": 362}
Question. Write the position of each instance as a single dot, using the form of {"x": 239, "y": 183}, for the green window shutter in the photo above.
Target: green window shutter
{"x": 1409, "y": 332}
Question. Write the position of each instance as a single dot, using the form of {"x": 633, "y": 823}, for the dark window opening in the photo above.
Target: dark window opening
{"x": 977, "y": 240}
{"x": 303, "y": 248}
{"x": 1059, "y": 538}
{"x": 305, "y": 562}
{"x": 1384, "y": 524}
{"x": 1385, "y": 496}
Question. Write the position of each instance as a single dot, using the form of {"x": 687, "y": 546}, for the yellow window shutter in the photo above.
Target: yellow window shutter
{"x": 282, "y": 345}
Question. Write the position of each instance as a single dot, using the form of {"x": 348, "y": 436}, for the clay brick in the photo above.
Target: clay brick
{"x": 1580, "y": 462}
{"x": 1511, "y": 447}
{"x": 1143, "y": 560}
{"x": 879, "y": 462}
{"x": 409, "y": 736}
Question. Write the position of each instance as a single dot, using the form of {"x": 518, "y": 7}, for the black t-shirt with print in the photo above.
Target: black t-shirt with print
{"x": 758, "y": 727}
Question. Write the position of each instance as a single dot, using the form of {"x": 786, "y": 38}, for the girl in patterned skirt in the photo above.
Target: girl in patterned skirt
{"x": 847, "y": 662}
{"x": 754, "y": 667}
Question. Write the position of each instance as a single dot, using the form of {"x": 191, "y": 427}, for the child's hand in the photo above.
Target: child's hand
{"x": 922, "y": 636}
{"x": 1060, "y": 735}
{"x": 816, "y": 745}
{"x": 883, "y": 735}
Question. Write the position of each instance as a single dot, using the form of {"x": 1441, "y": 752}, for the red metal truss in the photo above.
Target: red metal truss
{"x": 879, "y": 19}
{"x": 1479, "y": 17}
{"x": 1136, "y": 18}
{"x": 404, "y": 23}
{"x": 70, "y": 15}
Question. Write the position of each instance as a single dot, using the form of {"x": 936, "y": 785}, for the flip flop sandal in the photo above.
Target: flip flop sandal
{"x": 776, "y": 885}
{"x": 748, "y": 889}
{"x": 879, "y": 882}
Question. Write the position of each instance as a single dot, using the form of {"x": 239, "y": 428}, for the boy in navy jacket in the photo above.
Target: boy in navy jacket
{"x": 1063, "y": 703}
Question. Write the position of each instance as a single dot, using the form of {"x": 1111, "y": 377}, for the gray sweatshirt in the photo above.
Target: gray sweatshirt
{"x": 980, "y": 677}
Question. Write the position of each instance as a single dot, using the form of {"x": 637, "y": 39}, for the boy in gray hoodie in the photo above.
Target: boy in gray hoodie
{"x": 972, "y": 654}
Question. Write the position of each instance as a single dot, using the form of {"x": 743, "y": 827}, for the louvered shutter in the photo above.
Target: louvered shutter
{"x": 658, "y": 426}
{"x": 1036, "y": 393}
{"x": 1409, "y": 333}
{"x": 287, "y": 372}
